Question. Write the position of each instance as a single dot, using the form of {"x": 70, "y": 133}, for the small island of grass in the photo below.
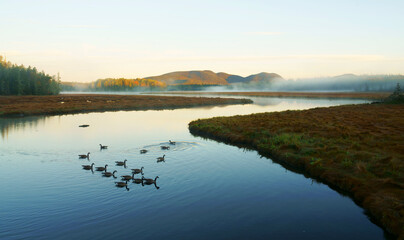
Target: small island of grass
{"x": 356, "y": 149}
{"x": 82, "y": 103}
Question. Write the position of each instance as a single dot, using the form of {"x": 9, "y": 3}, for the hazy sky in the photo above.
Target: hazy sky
{"x": 87, "y": 40}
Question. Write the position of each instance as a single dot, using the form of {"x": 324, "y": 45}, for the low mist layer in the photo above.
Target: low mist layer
{"x": 210, "y": 81}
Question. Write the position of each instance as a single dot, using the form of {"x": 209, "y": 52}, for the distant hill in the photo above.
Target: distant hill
{"x": 263, "y": 77}
{"x": 210, "y": 78}
{"x": 190, "y": 78}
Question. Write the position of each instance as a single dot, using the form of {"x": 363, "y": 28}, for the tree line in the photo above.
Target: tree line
{"x": 19, "y": 80}
{"x": 123, "y": 84}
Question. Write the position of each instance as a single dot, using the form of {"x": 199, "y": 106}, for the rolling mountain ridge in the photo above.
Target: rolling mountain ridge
{"x": 208, "y": 77}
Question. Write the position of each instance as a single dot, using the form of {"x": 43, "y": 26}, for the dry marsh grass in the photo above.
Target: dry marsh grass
{"x": 78, "y": 103}
{"x": 358, "y": 149}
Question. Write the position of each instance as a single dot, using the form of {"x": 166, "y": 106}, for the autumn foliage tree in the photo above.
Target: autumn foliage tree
{"x": 123, "y": 84}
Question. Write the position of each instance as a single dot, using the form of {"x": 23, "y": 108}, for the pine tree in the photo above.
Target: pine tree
{"x": 397, "y": 91}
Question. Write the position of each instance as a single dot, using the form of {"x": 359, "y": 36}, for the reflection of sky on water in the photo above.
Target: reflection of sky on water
{"x": 206, "y": 189}
{"x": 261, "y": 104}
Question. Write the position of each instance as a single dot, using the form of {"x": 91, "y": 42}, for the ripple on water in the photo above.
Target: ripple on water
{"x": 178, "y": 146}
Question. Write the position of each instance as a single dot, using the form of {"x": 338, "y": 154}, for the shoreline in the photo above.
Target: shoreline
{"x": 330, "y": 95}
{"x": 324, "y": 144}
{"x": 20, "y": 106}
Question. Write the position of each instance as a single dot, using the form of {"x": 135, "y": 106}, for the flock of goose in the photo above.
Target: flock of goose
{"x": 125, "y": 178}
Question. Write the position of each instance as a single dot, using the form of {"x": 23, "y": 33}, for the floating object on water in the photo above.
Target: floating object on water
{"x": 88, "y": 167}
{"x": 101, "y": 168}
{"x": 137, "y": 180}
{"x": 122, "y": 184}
{"x": 136, "y": 170}
{"x": 161, "y": 158}
{"x": 121, "y": 163}
{"x": 143, "y": 151}
{"x": 103, "y": 146}
{"x": 128, "y": 177}
{"x": 84, "y": 125}
{"x": 172, "y": 143}
{"x": 149, "y": 181}
{"x": 109, "y": 174}
{"x": 165, "y": 147}
{"x": 82, "y": 156}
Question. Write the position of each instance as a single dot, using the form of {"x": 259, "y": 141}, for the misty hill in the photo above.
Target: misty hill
{"x": 267, "y": 77}
{"x": 210, "y": 78}
{"x": 190, "y": 78}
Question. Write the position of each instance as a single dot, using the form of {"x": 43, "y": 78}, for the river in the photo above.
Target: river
{"x": 205, "y": 189}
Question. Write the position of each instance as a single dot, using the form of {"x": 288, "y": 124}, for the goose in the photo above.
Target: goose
{"x": 136, "y": 170}
{"x": 82, "y": 156}
{"x": 122, "y": 184}
{"x": 161, "y": 158}
{"x": 109, "y": 174}
{"x": 88, "y": 167}
{"x": 102, "y": 168}
{"x": 172, "y": 143}
{"x": 149, "y": 181}
{"x": 120, "y": 163}
{"x": 165, "y": 147}
{"x": 143, "y": 151}
{"x": 127, "y": 177}
{"x": 103, "y": 147}
{"x": 84, "y": 125}
{"x": 137, "y": 180}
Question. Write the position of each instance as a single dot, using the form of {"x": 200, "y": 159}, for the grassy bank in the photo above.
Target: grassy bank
{"x": 358, "y": 149}
{"x": 79, "y": 103}
{"x": 352, "y": 95}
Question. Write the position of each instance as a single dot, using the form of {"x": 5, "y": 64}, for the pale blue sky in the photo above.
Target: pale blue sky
{"x": 87, "y": 40}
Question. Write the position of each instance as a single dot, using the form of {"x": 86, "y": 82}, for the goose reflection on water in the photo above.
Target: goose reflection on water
{"x": 137, "y": 170}
{"x": 150, "y": 181}
{"x": 122, "y": 185}
{"x": 121, "y": 163}
{"x": 100, "y": 169}
{"x": 84, "y": 156}
{"x": 109, "y": 174}
{"x": 103, "y": 147}
{"x": 137, "y": 180}
{"x": 88, "y": 167}
{"x": 128, "y": 177}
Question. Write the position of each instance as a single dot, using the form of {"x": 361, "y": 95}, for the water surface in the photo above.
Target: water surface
{"x": 205, "y": 189}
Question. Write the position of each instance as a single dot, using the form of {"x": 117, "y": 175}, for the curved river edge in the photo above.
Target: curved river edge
{"x": 20, "y": 106}
{"x": 354, "y": 149}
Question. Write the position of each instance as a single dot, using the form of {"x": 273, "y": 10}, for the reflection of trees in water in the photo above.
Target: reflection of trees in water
{"x": 9, "y": 124}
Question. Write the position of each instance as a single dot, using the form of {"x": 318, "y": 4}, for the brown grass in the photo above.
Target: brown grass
{"x": 355, "y": 95}
{"x": 78, "y": 103}
{"x": 358, "y": 149}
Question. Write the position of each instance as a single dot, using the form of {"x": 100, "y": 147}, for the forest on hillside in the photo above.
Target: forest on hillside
{"x": 19, "y": 80}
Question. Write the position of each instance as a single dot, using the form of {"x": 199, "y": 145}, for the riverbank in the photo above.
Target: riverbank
{"x": 351, "y": 95}
{"x": 82, "y": 103}
{"x": 357, "y": 149}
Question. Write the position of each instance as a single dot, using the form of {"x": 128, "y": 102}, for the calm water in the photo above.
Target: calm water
{"x": 206, "y": 189}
